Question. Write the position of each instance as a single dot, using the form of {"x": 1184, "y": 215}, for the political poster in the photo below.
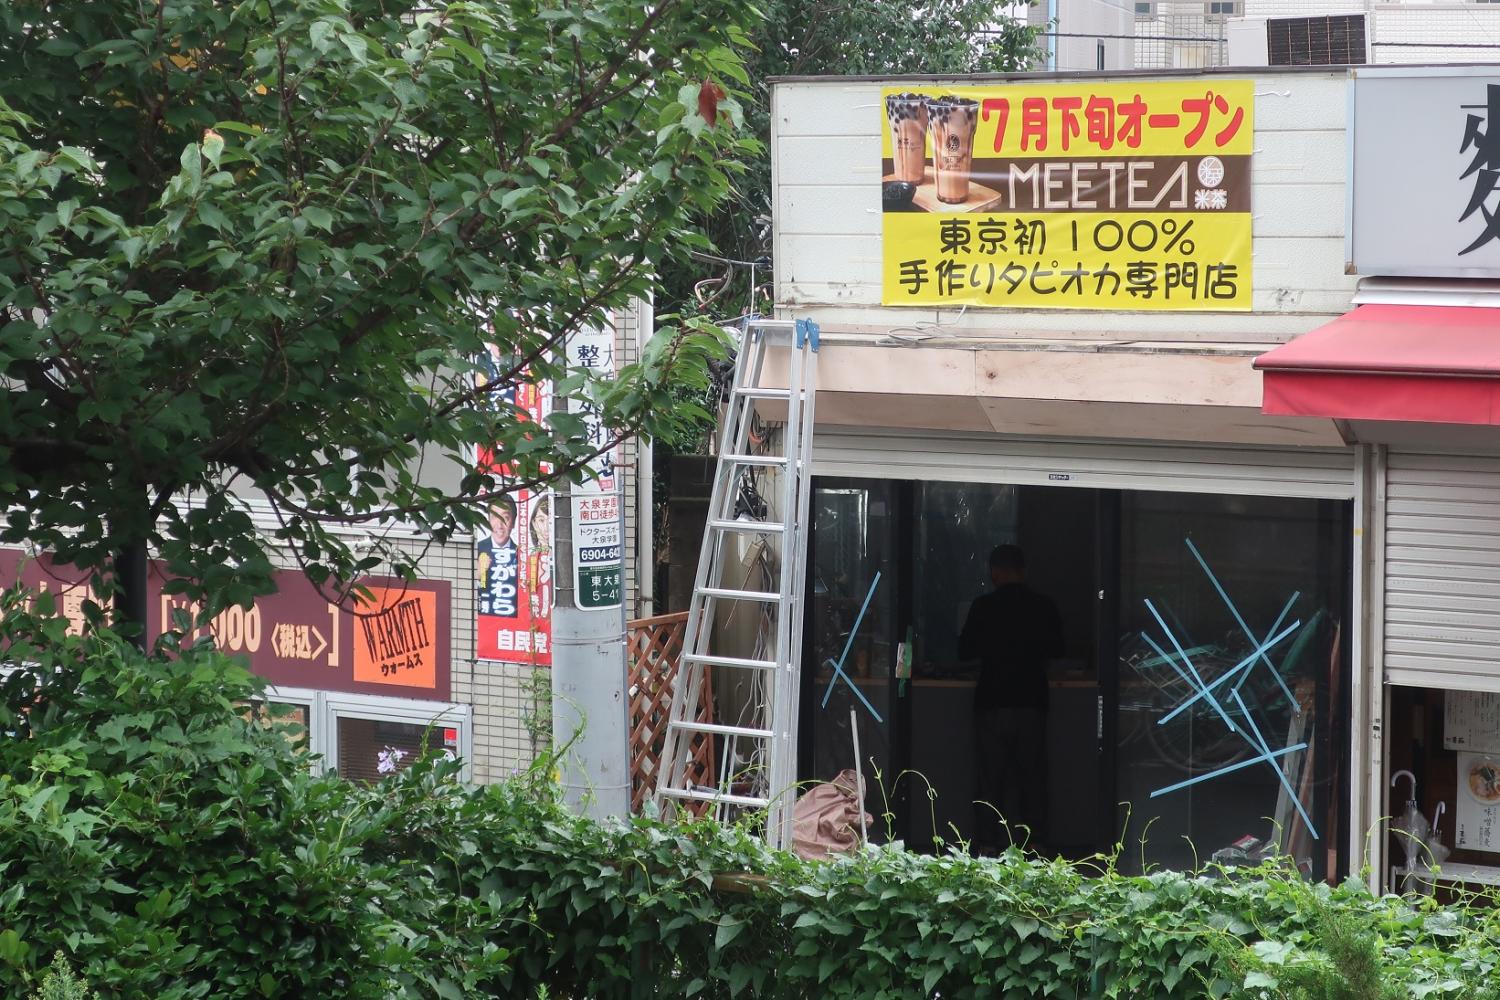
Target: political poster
{"x": 513, "y": 558}
{"x": 1083, "y": 195}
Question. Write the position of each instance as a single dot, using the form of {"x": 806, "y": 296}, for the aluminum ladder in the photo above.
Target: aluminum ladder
{"x": 768, "y": 737}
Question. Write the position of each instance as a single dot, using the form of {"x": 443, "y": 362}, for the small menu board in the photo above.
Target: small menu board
{"x": 1478, "y": 810}
{"x": 1471, "y": 721}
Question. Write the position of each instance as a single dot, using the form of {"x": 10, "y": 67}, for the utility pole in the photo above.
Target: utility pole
{"x": 589, "y": 724}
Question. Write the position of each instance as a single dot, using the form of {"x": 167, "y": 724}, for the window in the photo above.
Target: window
{"x": 1145, "y": 9}
{"x": 851, "y": 625}
{"x": 369, "y": 737}
{"x": 1222, "y": 8}
{"x": 1232, "y": 663}
{"x": 363, "y": 737}
{"x": 292, "y": 719}
{"x": 372, "y": 748}
{"x": 1099, "y": 53}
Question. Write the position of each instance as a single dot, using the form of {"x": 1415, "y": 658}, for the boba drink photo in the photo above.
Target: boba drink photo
{"x": 907, "y": 117}
{"x": 953, "y": 121}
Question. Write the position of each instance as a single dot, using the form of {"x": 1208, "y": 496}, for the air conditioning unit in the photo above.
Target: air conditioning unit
{"x": 1337, "y": 40}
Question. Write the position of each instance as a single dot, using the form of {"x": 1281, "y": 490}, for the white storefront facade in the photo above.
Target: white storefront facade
{"x": 1251, "y": 591}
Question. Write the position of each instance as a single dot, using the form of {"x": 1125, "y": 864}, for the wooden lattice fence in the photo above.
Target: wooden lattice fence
{"x": 655, "y": 653}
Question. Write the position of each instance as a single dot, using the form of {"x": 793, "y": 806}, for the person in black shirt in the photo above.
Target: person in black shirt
{"x": 1013, "y": 632}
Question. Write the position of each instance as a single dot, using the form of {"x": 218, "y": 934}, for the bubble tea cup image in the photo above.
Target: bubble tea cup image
{"x": 952, "y": 121}
{"x": 907, "y": 116}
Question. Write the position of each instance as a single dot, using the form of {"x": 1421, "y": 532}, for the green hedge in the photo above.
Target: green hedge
{"x": 612, "y": 910}
{"x": 169, "y": 850}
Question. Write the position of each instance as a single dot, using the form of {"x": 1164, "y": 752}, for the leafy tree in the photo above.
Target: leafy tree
{"x": 256, "y": 246}
{"x": 832, "y": 37}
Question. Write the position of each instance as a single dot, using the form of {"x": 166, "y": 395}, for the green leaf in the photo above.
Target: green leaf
{"x": 131, "y": 247}
{"x": 318, "y": 217}
{"x": 1272, "y": 952}
{"x": 729, "y": 929}
{"x": 469, "y": 52}
{"x": 320, "y": 35}
{"x": 13, "y": 950}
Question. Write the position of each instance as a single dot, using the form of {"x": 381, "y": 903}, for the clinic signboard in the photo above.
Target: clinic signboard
{"x": 598, "y": 522}
{"x": 1083, "y": 195}
{"x": 395, "y": 643}
{"x": 1424, "y": 196}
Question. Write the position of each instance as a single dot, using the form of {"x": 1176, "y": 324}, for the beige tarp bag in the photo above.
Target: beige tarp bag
{"x": 826, "y": 820}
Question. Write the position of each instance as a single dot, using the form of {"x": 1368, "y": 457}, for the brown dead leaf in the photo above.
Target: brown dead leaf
{"x": 709, "y": 96}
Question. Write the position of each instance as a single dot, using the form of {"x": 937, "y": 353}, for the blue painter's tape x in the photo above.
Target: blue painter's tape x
{"x": 838, "y": 667}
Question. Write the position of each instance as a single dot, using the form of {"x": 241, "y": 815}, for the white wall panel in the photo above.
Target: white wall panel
{"x": 1304, "y": 156}
{"x": 805, "y": 160}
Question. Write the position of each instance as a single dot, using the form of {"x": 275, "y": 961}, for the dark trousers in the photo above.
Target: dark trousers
{"x": 1012, "y": 771}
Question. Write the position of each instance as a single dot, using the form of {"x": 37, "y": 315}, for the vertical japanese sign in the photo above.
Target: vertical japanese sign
{"x": 1478, "y": 802}
{"x": 1426, "y": 171}
{"x": 598, "y": 527}
{"x": 513, "y": 560}
{"x": 1073, "y": 196}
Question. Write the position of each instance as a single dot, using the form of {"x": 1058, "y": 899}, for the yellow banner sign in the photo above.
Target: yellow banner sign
{"x": 1132, "y": 196}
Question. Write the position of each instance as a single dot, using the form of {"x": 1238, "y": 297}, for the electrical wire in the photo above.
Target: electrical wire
{"x": 715, "y": 258}
{"x": 1437, "y": 45}
{"x": 1131, "y": 38}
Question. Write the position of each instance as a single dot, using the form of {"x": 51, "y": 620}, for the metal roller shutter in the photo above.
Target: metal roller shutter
{"x": 978, "y": 458}
{"x": 1442, "y": 571}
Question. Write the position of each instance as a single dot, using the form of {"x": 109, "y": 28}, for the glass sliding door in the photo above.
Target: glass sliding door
{"x": 954, "y": 528}
{"x": 850, "y": 642}
{"x": 1230, "y": 679}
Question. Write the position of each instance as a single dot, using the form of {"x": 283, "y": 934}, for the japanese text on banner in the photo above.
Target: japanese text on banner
{"x": 598, "y": 525}
{"x": 1077, "y": 196}
{"x": 513, "y": 559}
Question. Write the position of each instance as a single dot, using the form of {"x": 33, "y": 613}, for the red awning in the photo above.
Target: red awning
{"x": 1423, "y": 364}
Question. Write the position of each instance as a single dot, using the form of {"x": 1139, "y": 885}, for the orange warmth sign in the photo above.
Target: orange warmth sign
{"x": 395, "y": 639}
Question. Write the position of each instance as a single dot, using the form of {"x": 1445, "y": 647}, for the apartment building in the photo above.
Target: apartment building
{"x": 1196, "y": 34}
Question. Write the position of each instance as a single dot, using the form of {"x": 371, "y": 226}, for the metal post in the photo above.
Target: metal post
{"x": 589, "y": 724}
{"x": 645, "y": 483}
{"x": 1052, "y": 29}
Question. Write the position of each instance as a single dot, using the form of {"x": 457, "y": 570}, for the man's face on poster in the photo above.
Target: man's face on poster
{"x": 502, "y": 521}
